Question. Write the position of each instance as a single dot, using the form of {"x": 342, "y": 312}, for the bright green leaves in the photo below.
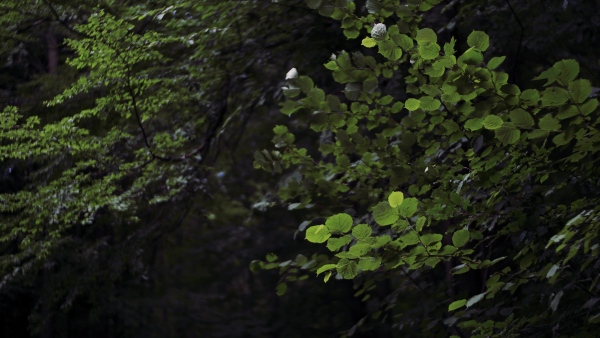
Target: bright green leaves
{"x": 460, "y": 238}
{"x": 340, "y": 223}
{"x": 361, "y": 231}
{"x": 426, "y": 35}
{"x": 334, "y": 244}
{"x": 317, "y": 234}
{"x": 395, "y": 198}
{"x": 384, "y": 214}
{"x": 346, "y": 268}
{"x": 530, "y": 97}
{"x": 428, "y": 47}
{"x": 412, "y": 104}
{"x": 369, "y": 42}
{"x": 457, "y": 304}
{"x": 492, "y": 122}
{"x": 336, "y": 224}
{"x": 479, "y": 40}
{"x": 429, "y": 50}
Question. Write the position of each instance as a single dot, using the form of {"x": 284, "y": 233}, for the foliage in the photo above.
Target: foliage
{"x": 479, "y": 194}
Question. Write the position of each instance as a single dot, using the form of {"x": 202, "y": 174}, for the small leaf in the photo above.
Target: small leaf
{"x": 369, "y": 263}
{"x": 369, "y": 42}
{"x": 395, "y": 198}
{"x": 281, "y": 289}
{"x": 588, "y": 107}
{"x": 412, "y": 104}
{"x": 334, "y": 244}
{"x": 361, "y": 231}
{"x": 474, "y": 124}
{"x": 580, "y": 90}
{"x": 326, "y": 267}
{"x": 554, "y": 96}
{"x": 457, "y": 304}
{"x": 507, "y": 134}
{"x": 384, "y": 214}
{"x": 426, "y": 35}
{"x": 492, "y": 122}
{"x": 339, "y": 223}
{"x": 408, "y": 207}
{"x": 479, "y": 40}
{"x": 568, "y": 70}
{"x": 347, "y": 269}
{"x": 460, "y": 238}
{"x": 521, "y": 119}
{"x": 495, "y": 62}
{"x": 530, "y": 97}
{"x": 549, "y": 123}
{"x": 271, "y": 257}
{"x": 317, "y": 233}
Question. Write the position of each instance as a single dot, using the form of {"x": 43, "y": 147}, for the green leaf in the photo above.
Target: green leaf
{"x": 580, "y": 90}
{"x": 479, "y": 40}
{"x": 347, "y": 269}
{"x": 420, "y": 223}
{"x": 507, "y": 134}
{"x": 334, "y": 244}
{"x": 429, "y": 50}
{"x": 280, "y": 130}
{"x": 317, "y": 233}
{"x": 429, "y": 103}
{"x": 389, "y": 50}
{"x": 474, "y": 124}
{"x": 369, "y": 42}
{"x": 271, "y": 257}
{"x": 521, "y": 119}
{"x": 369, "y": 263}
{"x": 567, "y": 71}
{"x": 361, "y": 231}
{"x": 549, "y": 123}
{"x": 588, "y": 107}
{"x": 460, "y": 238}
{"x": 326, "y": 267}
{"x": 530, "y": 97}
{"x": 403, "y": 41}
{"x": 281, "y": 289}
{"x": 426, "y": 35}
{"x": 395, "y": 198}
{"x": 359, "y": 249}
{"x": 495, "y": 62}
{"x": 408, "y": 207}
{"x": 313, "y": 4}
{"x": 412, "y": 104}
{"x": 460, "y": 269}
{"x": 554, "y": 96}
{"x": 384, "y": 214}
{"x": 492, "y": 122}
{"x": 339, "y": 223}
{"x": 457, "y": 304}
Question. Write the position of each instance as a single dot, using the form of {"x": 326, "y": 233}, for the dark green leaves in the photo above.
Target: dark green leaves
{"x": 521, "y": 119}
{"x": 554, "y": 96}
{"x": 460, "y": 238}
{"x": 580, "y": 90}
{"x": 495, "y": 62}
{"x": 361, "y": 231}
